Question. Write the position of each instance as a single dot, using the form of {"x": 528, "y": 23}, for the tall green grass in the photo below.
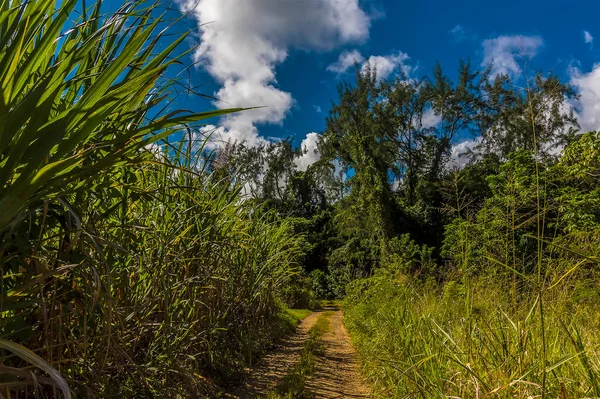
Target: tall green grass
{"x": 125, "y": 272}
{"x": 419, "y": 341}
{"x": 80, "y": 93}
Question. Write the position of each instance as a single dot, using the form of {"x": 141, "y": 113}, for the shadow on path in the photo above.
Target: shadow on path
{"x": 275, "y": 365}
{"x": 337, "y": 374}
{"x": 337, "y": 371}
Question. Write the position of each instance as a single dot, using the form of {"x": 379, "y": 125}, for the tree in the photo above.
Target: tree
{"x": 536, "y": 117}
{"x": 357, "y": 137}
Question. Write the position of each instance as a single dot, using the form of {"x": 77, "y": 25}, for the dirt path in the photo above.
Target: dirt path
{"x": 338, "y": 369}
{"x": 275, "y": 365}
{"x": 337, "y": 373}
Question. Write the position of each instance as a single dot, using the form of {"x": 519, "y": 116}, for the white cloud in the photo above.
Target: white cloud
{"x": 430, "y": 119}
{"x": 457, "y": 30}
{"x": 310, "y": 151}
{"x": 385, "y": 65}
{"x": 505, "y": 53}
{"x": 587, "y": 107}
{"x": 587, "y": 36}
{"x": 345, "y": 61}
{"x": 458, "y": 158}
{"x": 216, "y": 135}
{"x": 242, "y": 42}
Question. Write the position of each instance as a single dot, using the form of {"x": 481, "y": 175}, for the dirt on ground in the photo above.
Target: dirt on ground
{"x": 277, "y": 364}
{"x": 337, "y": 372}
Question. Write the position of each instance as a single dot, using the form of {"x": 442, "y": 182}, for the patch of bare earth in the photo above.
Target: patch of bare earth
{"x": 337, "y": 367}
{"x": 277, "y": 364}
{"x": 337, "y": 373}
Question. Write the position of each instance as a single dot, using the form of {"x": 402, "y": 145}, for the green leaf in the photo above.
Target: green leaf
{"x": 38, "y": 362}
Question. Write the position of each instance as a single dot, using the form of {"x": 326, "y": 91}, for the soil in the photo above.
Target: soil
{"x": 337, "y": 373}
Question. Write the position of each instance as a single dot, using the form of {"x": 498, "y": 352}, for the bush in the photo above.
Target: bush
{"x": 298, "y": 293}
{"x": 319, "y": 284}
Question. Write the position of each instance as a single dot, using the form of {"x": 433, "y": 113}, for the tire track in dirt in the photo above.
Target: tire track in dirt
{"x": 337, "y": 367}
{"x": 337, "y": 373}
{"x": 277, "y": 364}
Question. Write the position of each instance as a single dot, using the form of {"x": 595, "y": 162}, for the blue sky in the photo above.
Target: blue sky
{"x": 284, "y": 54}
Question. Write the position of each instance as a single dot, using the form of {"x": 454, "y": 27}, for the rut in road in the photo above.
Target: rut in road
{"x": 276, "y": 365}
{"x": 337, "y": 374}
{"x": 337, "y": 371}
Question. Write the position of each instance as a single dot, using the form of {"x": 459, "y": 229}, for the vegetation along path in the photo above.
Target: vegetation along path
{"x": 335, "y": 370}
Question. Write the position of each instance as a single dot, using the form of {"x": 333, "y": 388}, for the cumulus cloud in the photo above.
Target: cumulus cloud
{"x": 345, "y": 61}
{"x": 458, "y": 157}
{"x": 384, "y": 65}
{"x": 587, "y": 37}
{"x": 505, "y": 52}
{"x": 310, "y": 152}
{"x": 242, "y": 42}
{"x": 587, "y": 107}
{"x": 430, "y": 119}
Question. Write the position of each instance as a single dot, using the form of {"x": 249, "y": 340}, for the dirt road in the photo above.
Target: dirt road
{"x": 337, "y": 371}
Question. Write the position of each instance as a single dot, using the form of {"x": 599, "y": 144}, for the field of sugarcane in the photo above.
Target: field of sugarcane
{"x": 128, "y": 269}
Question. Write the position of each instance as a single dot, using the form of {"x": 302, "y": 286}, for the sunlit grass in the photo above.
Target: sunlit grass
{"x": 421, "y": 343}
{"x": 300, "y": 314}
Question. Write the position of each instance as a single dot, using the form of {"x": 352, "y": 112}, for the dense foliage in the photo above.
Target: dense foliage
{"x": 517, "y": 311}
{"x": 138, "y": 265}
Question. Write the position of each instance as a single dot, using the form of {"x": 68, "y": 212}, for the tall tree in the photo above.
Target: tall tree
{"x": 535, "y": 115}
{"x": 357, "y": 137}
